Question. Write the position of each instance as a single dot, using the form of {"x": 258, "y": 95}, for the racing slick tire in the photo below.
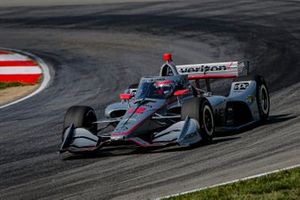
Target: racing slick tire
{"x": 207, "y": 121}
{"x": 262, "y": 95}
{"x": 81, "y": 117}
{"x": 262, "y": 98}
{"x": 201, "y": 110}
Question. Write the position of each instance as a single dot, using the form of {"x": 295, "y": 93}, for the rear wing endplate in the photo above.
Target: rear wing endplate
{"x": 214, "y": 70}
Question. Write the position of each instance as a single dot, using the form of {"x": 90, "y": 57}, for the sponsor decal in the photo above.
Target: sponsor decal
{"x": 240, "y": 86}
{"x": 228, "y": 68}
{"x": 202, "y": 68}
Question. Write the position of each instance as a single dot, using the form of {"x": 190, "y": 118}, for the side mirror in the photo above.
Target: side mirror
{"x": 181, "y": 92}
{"x": 125, "y": 96}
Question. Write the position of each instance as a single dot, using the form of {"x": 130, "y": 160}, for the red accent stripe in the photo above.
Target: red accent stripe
{"x": 137, "y": 125}
{"x": 181, "y": 92}
{"x": 194, "y": 77}
{"x": 125, "y": 96}
{"x": 5, "y": 52}
{"x": 131, "y": 129}
{"x": 140, "y": 110}
{"x": 163, "y": 83}
{"x": 17, "y": 63}
{"x": 21, "y": 78}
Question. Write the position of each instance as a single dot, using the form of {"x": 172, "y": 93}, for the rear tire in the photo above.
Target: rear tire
{"x": 81, "y": 117}
{"x": 262, "y": 98}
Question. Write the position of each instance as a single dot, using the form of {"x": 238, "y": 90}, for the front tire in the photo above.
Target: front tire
{"x": 207, "y": 122}
{"x": 201, "y": 110}
{"x": 81, "y": 117}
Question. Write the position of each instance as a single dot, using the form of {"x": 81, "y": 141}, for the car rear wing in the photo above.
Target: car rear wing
{"x": 218, "y": 70}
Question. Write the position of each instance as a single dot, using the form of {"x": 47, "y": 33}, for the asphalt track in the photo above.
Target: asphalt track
{"x": 94, "y": 51}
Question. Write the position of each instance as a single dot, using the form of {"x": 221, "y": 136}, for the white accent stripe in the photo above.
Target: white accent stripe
{"x": 13, "y": 57}
{"x": 46, "y": 77}
{"x": 233, "y": 181}
{"x": 20, "y": 70}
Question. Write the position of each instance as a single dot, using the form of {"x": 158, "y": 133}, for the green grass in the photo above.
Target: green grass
{"x": 280, "y": 185}
{"x": 6, "y": 85}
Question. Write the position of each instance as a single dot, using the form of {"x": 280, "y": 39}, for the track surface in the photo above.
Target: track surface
{"x": 95, "y": 51}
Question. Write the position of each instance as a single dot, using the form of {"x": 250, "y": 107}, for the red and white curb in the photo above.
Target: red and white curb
{"x": 15, "y": 67}
{"x": 24, "y": 67}
{"x": 229, "y": 182}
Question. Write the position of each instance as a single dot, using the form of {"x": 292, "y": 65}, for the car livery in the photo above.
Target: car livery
{"x": 171, "y": 109}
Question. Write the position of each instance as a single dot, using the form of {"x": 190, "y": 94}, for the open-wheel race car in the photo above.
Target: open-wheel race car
{"x": 171, "y": 109}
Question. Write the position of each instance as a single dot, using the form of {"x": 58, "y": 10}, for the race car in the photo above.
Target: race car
{"x": 171, "y": 109}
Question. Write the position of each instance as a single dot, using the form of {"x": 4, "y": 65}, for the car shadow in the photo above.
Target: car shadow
{"x": 180, "y": 148}
{"x": 105, "y": 152}
{"x": 273, "y": 119}
{"x": 280, "y": 118}
{"x": 133, "y": 150}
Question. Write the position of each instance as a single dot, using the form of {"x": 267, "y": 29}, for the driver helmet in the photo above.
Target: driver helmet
{"x": 164, "y": 87}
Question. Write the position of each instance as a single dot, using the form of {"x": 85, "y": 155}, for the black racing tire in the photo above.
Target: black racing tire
{"x": 207, "y": 121}
{"x": 262, "y": 98}
{"x": 201, "y": 110}
{"x": 81, "y": 117}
